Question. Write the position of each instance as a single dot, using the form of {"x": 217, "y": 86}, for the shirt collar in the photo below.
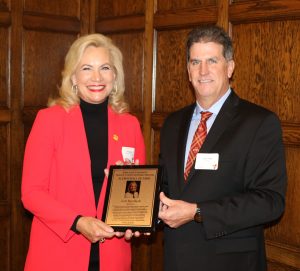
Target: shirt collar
{"x": 216, "y": 107}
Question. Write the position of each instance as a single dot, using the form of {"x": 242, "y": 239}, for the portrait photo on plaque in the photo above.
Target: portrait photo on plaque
{"x": 132, "y": 197}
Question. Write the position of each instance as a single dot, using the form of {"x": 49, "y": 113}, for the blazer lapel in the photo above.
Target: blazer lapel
{"x": 223, "y": 120}
{"x": 81, "y": 145}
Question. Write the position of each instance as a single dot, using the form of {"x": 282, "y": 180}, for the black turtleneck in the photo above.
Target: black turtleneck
{"x": 96, "y": 129}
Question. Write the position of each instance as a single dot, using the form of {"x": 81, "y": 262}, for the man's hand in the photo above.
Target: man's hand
{"x": 175, "y": 212}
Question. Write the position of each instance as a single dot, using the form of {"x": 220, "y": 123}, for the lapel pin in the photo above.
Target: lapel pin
{"x": 115, "y": 137}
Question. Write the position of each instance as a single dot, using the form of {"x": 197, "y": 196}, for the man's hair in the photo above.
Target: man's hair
{"x": 210, "y": 33}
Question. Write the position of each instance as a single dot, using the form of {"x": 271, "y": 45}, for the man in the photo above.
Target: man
{"x": 216, "y": 204}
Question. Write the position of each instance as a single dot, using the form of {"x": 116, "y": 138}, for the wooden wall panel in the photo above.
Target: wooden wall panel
{"x": 43, "y": 64}
{"x": 5, "y": 141}
{"x": 287, "y": 232}
{"x": 119, "y": 8}
{"x": 168, "y": 5}
{"x": 4, "y": 4}
{"x": 4, "y": 243}
{"x": 131, "y": 45}
{"x": 172, "y": 89}
{"x": 4, "y": 163}
{"x": 151, "y": 35}
{"x": 53, "y": 7}
{"x": 4, "y": 69}
{"x": 267, "y": 65}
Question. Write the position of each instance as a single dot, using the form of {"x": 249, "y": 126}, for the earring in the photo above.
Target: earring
{"x": 116, "y": 88}
{"x": 75, "y": 89}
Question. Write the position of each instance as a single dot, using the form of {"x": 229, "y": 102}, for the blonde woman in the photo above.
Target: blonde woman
{"x": 70, "y": 145}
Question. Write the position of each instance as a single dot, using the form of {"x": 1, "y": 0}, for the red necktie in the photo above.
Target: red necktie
{"x": 197, "y": 142}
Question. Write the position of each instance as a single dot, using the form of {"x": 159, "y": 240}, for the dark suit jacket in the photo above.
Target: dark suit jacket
{"x": 244, "y": 193}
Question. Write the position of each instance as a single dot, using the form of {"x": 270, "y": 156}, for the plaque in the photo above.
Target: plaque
{"x": 132, "y": 197}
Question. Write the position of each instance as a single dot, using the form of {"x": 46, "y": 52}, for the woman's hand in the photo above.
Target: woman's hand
{"x": 128, "y": 234}
{"x": 127, "y": 162}
{"x": 94, "y": 229}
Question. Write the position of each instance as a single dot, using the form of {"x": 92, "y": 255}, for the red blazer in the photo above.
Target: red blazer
{"x": 57, "y": 186}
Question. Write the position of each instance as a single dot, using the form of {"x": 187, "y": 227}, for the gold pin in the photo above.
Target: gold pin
{"x": 115, "y": 137}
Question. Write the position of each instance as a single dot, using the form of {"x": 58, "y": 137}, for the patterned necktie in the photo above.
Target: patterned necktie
{"x": 197, "y": 142}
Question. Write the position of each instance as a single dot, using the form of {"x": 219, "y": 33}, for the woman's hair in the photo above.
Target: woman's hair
{"x": 211, "y": 33}
{"x": 67, "y": 96}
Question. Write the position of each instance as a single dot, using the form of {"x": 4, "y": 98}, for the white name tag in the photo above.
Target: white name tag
{"x": 128, "y": 153}
{"x": 208, "y": 161}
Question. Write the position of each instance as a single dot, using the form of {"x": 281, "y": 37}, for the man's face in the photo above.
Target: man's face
{"x": 209, "y": 72}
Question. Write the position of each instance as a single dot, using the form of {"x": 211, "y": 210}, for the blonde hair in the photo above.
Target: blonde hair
{"x": 67, "y": 97}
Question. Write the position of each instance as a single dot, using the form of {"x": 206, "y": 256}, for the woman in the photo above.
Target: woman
{"x": 82, "y": 133}
{"x": 132, "y": 190}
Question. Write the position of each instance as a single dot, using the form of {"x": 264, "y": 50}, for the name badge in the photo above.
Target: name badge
{"x": 128, "y": 153}
{"x": 209, "y": 161}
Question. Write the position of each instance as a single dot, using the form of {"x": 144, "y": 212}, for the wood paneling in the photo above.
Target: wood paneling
{"x": 43, "y": 64}
{"x": 4, "y": 4}
{"x": 4, "y": 162}
{"x": 172, "y": 89}
{"x": 258, "y": 11}
{"x": 4, "y": 69}
{"x": 119, "y": 8}
{"x": 267, "y": 65}
{"x": 131, "y": 45}
{"x": 171, "y": 5}
{"x": 287, "y": 232}
{"x": 53, "y": 7}
{"x": 130, "y": 24}
{"x": 4, "y": 243}
{"x": 35, "y": 36}
{"x": 185, "y": 18}
{"x": 5, "y": 140}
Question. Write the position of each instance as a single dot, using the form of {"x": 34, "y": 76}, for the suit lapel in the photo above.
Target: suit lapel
{"x": 183, "y": 134}
{"x": 223, "y": 120}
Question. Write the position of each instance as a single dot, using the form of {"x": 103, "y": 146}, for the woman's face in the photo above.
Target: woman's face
{"x": 94, "y": 75}
{"x": 132, "y": 187}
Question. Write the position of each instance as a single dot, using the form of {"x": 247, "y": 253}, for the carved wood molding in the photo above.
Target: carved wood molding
{"x": 255, "y": 11}
{"x": 51, "y": 23}
{"x": 5, "y": 115}
{"x": 5, "y": 18}
{"x": 185, "y": 17}
{"x": 284, "y": 254}
{"x": 121, "y": 24}
{"x": 291, "y": 133}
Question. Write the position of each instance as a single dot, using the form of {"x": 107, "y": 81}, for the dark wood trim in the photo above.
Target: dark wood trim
{"x": 185, "y": 17}
{"x": 284, "y": 254}
{"x": 51, "y": 23}
{"x": 148, "y": 76}
{"x": 5, "y": 18}
{"x": 291, "y": 134}
{"x": 223, "y": 15}
{"x": 121, "y": 24}
{"x": 5, "y": 115}
{"x": 256, "y": 11}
